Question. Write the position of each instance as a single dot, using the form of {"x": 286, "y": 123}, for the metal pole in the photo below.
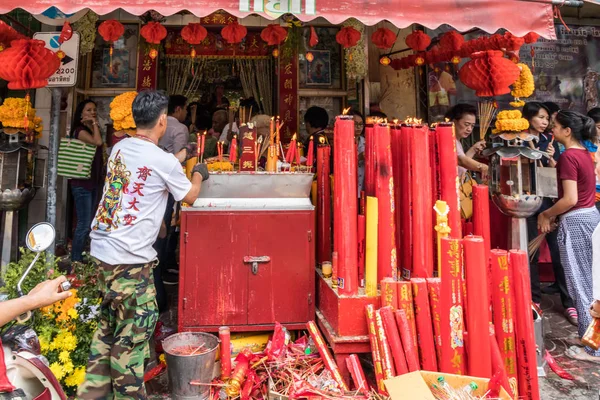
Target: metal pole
{"x": 53, "y": 141}
{"x": 565, "y": 3}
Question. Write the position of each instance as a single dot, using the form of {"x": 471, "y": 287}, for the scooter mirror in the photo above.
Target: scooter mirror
{"x": 40, "y": 237}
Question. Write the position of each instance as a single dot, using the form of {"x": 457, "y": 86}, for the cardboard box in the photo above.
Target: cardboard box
{"x": 416, "y": 385}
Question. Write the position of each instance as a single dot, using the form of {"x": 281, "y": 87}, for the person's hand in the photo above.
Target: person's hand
{"x": 479, "y": 146}
{"x": 595, "y": 309}
{"x": 550, "y": 150}
{"x": 484, "y": 169}
{"x": 545, "y": 223}
{"x": 48, "y": 292}
{"x": 191, "y": 150}
{"x": 90, "y": 121}
{"x": 202, "y": 169}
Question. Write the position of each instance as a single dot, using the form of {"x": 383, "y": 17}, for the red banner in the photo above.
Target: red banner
{"x": 215, "y": 46}
{"x": 146, "y": 70}
{"x": 288, "y": 96}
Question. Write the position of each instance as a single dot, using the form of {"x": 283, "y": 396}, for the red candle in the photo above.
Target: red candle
{"x": 323, "y": 204}
{"x": 198, "y": 147}
{"x": 425, "y": 336}
{"x": 393, "y": 336}
{"x": 408, "y": 340}
{"x": 357, "y": 374}
{"x": 345, "y": 207}
{"x": 452, "y": 358}
{"x": 362, "y": 233}
{"x": 422, "y": 214}
{"x": 406, "y": 187}
{"x": 504, "y": 309}
{"x": 297, "y": 154}
{"x": 498, "y": 368}
{"x": 224, "y": 337}
{"x": 449, "y": 175}
{"x": 434, "y": 287}
{"x": 326, "y": 356}
{"x": 289, "y": 157}
{"x": 202, "y": 145}
{"x": 376, "y": 354}
{"x": 387, "y": 261}
{"x": 526, "y": 348}
{"x": 384, "y": 347}
{"x": 435, "y": 188}
{"x": 233, "y": 151}
{"x": 397, "y": 156}
{"x": 478, "y": 344}
{"x": 369, "y": 184}
{"x": 481, "y": 226}
{"x": 310, "y": 153}
{"x": 405, "y": 303}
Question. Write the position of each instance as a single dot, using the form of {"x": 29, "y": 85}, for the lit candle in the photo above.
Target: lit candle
{"x": 310, "y": 155}
{"x": 446, "y": 140}
{"x": 202, "y": 145}
{"x": 290, "y": 153}
{"x": 220, "y": 150}
{"x": 297, "y": 154}
{"x": 271, "y": 131}
{"x": 233, "y": 151}
{"x": 323, "y": 203}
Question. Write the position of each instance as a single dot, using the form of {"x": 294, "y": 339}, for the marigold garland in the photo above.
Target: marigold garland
{"x": 511, "y": 121}
{"x": 523, "y": 87}
{"x": 12, "y": 115}
{"x": 120, "y": 111}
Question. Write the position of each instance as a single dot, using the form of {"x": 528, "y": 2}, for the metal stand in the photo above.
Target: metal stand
{"x": 518, "y": 234}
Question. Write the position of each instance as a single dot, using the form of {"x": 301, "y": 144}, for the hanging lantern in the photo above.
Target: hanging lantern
{"x": 153, "y": 53}
{"x": 512, "y": 42}
{"x": 193, "y": 34}
{"x": 153, "y": 32}
{"x": 314, "y": 39}
{"x": 418, "y": 41}
{"x": 111, "y": 30}
{"x": 455, "y": 60}
{"x": 310, "y": 57}
{"x": 275, "y": 53}
{"x": 419, "y": 60}
{"x": 27, "y": 64}
{"x": 66, "y": 33}
{"x": 7, "y": 35}
{"x": 234, "y": 32}
{"x": 347, "y": 37}
{"x": 383, "y": 38}
{"x": 274, "y": 34}
{"x": 452, "y": 41}
{"x": 385, "y": 60}
{"x": 489, "y": 73}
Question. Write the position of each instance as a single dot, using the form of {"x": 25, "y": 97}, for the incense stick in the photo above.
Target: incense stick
{"x": 487, "y": 111}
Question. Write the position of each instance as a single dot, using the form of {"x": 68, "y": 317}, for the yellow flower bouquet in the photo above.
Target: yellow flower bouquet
{"x": 523, "y": 87}
{"x": 511, "y": 121}
{"x": 12, "y": 116}
{"x": 121, "y": 114}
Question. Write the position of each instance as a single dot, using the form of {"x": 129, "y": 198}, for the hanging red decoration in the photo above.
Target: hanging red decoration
{"x": 27, "y": 64}
{"x": 531, "y": 37}
{"x": 383, "y": 38}
{"x": 274, "y": 34}
{"x": 194, "y": 33}
{"x": 310, "y": 57}
{"x": 347, "y": 37}
{"x": 314, "y": 39}
{"x": 512, "y": 42}
{"x": 452, "y": 41}
{"x": 234, "y": 32}
{"x": 66, "y": 33}
{"x": 7, "y": 35}
{"x": 111, "y": 30}
{"x": 489, "y": 73}
{"x": 153, "y": 32}
{"x": 418, "y": 40}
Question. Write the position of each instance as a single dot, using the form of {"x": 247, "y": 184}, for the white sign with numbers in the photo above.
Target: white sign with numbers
{"x": 66, "y": 75}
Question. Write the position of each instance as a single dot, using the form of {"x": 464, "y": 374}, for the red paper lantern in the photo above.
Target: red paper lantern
{"x": 310, "y": 57}
{"x": 193, "y": 33}
{"x": 531, "y": 37}
{"x": 153, "y": 32}
{"x": 111, "y": 30}
{"x": 66, "y": 33}
{"x": 347, "y": 37}
{"x": 314, "y": 39}
{"x": 418, "y": 40}
{"x": 452, "y": 41}
{"x": 383, "y": 38}
{"x": 27, "y": 64}
{"x": 274, "y": 34}
{"x": 234, "y": 32}
{"x": 7, "y": 35}
{"x": 489, "y": 73}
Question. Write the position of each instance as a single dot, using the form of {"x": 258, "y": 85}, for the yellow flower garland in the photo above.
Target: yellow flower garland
{"x": 12, "y": 115}
{"x": 523, "y": 87}
{"x": 511, "y": 121}
{"x": 120, "y": 111}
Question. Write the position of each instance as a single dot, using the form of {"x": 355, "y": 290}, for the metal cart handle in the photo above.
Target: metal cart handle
{"x": 255, "y": 260}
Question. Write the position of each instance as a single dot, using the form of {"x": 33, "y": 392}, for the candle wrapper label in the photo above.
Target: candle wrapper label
{"x": 591, "y": 338}
{"x": 248, "y": 157}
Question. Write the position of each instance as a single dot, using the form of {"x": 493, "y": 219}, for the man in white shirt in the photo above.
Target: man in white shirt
{"x": 140, "y": 175}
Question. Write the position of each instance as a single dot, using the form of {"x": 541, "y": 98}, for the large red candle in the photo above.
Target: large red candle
{"x": 446, "y": 143}
{"x": 362, "y": 243}
{"x": 451, "y": 308}
{"x": 345, "y": 206}
{"x": 397, "y": 156}
{"x": 405, "y": 303}
{"x": 384, "y": 347}
{"x": 422, "y": 207}
{"x": 481, "y": 226}
{"x": 406, "y": 187}
{"x": 434, "y": 287}
{"x": 369, "y": 184}
{"x": 387, "y": 263}
{"x": 224, "y": 337}
{"x": 478, "y": 326}
{"x": 504, "y": 309}
{"x": 393, "y": 336}
{"x": 323, "y": 204}
{"x": 376, "y": 354}
{"x": 425, "y": 336}
{"x": 310, "y": 156}
{"x": 526, "y": 349}
{"x": 357, "y": 374}
{"x": 408, "y": 340}
{"x": 233, "y": 152}
{"x": 498, "y": 368}
{"x": 435, "y": 188}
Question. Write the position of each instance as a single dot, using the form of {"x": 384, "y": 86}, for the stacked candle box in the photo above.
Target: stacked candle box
{"x": 448, "y": 302}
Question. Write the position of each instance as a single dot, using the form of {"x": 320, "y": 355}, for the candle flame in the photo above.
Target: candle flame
{"x": 235, "y": 137}
{"x": 322, "y": 140}
{"x": 446, "y": 119}
{"x": 204, "y": 133}
{"x": 311, "y": 138}
{"x": 294, "y": 137}
{"x": 395, "y": 120}
{"x": 346, "y": 111}
{"x": 413, "y": 121}
{"x": 260, "y": 139}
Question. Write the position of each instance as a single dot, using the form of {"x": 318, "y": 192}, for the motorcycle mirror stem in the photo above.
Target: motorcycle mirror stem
{"x": 39, "y": 238}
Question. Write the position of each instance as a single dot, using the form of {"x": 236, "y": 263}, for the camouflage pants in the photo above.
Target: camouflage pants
{"x": 128, "y": 315}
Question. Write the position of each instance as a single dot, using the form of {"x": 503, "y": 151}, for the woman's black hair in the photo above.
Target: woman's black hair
{"x": 459, "y": 111}
{"x": 594, "y": 114}
{"x": 582, "y": 127}
{"x": 552, "y": 107}
{"x": 532, "y": 108}
{"x": 77, "y": 115}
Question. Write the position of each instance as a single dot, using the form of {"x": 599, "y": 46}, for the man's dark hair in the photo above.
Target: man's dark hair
{"x": 594, "y": 114}
{"x": 317, "y": 117}
{"x": 459, "y": 111}
{"x": 147, "y": 108}
{"x": 175, "y": 101}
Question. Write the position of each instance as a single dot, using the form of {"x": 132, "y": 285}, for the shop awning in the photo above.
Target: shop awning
{"x": 519, "y": 17}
